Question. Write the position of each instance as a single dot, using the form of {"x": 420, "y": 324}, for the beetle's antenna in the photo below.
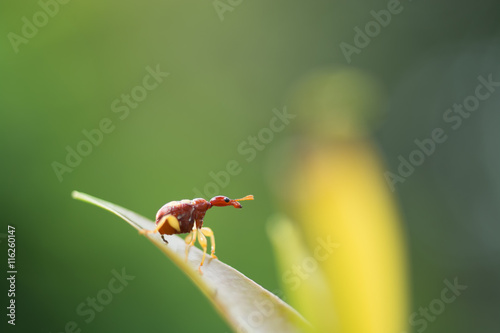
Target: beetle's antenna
{"x": 248, "y": 197}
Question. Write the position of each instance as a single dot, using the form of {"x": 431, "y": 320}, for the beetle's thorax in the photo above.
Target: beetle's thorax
{"x": 200, "y": 207}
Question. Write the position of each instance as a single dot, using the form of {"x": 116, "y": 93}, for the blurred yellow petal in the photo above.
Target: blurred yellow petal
{"x": 348, "y": 198}
{"x": 330, "y": 180}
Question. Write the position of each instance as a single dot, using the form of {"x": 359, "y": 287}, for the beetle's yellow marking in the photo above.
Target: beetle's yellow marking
{"x": 174, "y": 222}
{"x": 158, "y": 226}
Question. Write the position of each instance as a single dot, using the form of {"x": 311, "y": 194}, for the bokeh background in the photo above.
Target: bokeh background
{"x": 227, "y": 73}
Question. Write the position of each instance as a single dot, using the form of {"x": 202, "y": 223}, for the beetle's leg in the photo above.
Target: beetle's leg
{"x": 163, "y": 238}
{"x": 203, "y": 242}
{"x": 190, "y": 239}
{"x": 209, "y": 233}
{"x": 172, "y": 221}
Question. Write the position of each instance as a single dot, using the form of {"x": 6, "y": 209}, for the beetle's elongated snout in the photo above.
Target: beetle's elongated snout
{"x": 222, "y": 201}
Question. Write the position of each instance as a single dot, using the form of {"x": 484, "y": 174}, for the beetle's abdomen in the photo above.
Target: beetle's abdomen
{"x": 183, "y": 210}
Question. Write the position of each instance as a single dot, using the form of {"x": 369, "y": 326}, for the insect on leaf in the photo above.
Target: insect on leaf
{"x": 244, "y": 304}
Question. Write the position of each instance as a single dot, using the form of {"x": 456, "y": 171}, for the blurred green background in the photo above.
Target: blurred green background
{"x": 226, "y": 76}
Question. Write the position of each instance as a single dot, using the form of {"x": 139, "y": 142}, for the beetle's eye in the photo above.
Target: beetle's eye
{"x": 226, "y": 199}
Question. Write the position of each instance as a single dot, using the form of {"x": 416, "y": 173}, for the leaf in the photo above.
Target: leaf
{"x": 245, "y": 305}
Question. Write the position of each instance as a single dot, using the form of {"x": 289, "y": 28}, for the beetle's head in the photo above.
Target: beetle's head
{"x": 222, "y": 201}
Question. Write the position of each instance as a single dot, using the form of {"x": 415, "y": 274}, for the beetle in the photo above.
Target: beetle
{"x": 186, "y": 216}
